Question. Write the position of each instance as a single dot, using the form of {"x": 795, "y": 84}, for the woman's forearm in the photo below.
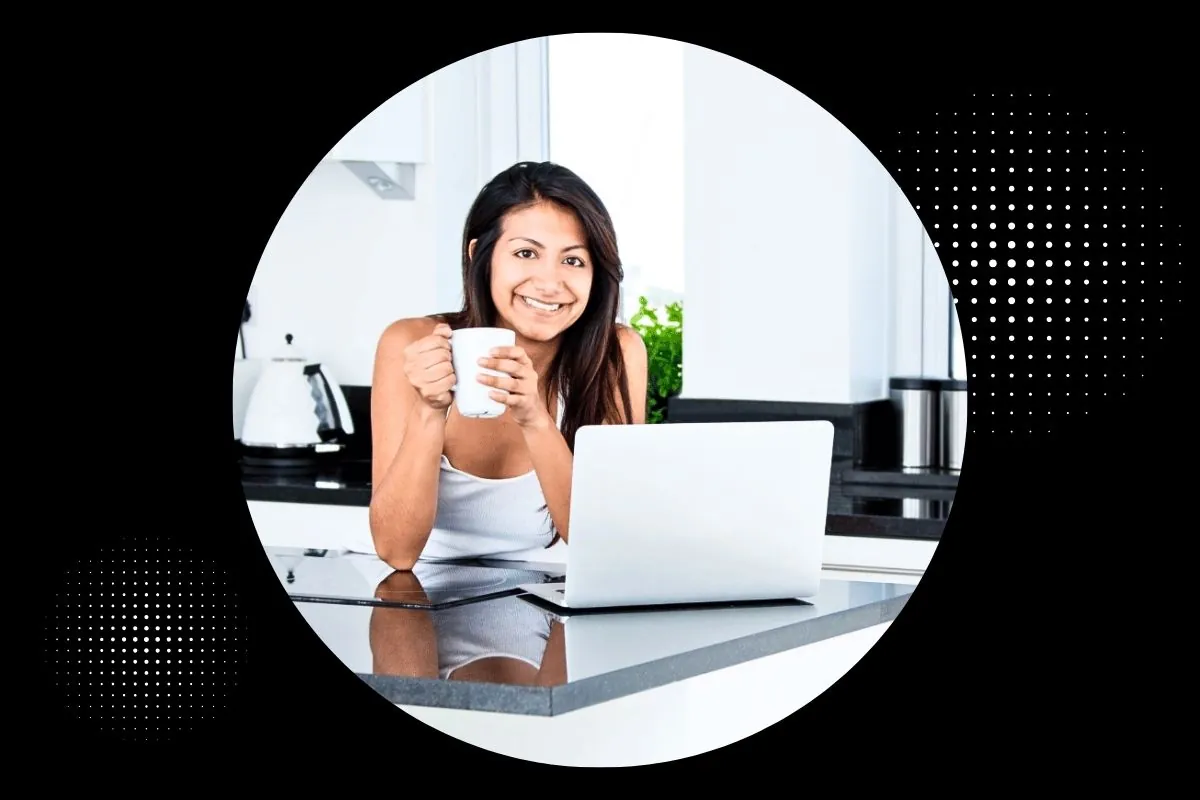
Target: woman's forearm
{"x": 552, "y": 462}
{"x": 402, "y": 641}
{"x": 404, "y": 504}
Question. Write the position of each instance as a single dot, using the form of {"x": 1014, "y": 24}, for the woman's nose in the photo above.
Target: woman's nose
{"x": 545, "y": 274}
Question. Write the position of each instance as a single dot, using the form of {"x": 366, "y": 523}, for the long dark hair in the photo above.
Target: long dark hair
{"x": 588, "y": 369}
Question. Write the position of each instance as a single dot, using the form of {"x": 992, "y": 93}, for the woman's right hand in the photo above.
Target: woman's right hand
{"x": 429, "y": 369}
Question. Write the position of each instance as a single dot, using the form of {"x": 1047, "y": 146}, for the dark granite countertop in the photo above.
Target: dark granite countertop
{"x": 912, "y": 479}
{"x": 874, "y": 503}
{"x": 418, "y": 638}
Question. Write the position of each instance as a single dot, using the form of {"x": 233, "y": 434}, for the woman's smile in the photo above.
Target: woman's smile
{"x": 539, "y": 308}
{"x": 541, "y": 272}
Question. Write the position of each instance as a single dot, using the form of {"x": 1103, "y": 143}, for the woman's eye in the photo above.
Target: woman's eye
{"x": 578, "y": 262}
{"x": 526, "y": 254}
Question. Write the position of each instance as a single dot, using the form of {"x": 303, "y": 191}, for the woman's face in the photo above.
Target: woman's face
{"x": 541, "y": 272}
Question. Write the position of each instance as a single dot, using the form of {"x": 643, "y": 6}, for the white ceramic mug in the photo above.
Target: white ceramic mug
{"x": 467, "y": 346}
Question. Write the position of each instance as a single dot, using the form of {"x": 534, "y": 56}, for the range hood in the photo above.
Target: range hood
{"x": 384, "y": 149}
{"x": 388, "y": 180}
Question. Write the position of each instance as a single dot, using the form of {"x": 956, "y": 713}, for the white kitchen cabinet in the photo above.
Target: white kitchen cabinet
{"x": 853, "y": 557}
{"x": 394, "y": 133}
{"x": 309, "y": 525}
{"x": 332, "y": 527}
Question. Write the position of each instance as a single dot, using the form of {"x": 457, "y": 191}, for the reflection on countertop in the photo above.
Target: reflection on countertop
{"x": 510, "y": 653}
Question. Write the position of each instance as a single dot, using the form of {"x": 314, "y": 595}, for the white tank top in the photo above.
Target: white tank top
{"x": 504, "y": 628}
{"x": 488, "y": 517}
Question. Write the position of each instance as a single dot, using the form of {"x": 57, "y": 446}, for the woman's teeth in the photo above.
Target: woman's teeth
{"x": 540, "y": 305}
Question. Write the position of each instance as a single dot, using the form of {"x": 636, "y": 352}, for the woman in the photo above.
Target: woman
{"x": 539, "y": 257}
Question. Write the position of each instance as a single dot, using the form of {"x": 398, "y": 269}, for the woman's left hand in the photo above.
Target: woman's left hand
{"x": 517, "y": 388}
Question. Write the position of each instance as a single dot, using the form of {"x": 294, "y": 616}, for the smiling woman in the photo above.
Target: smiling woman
{"x": 542, "y": 289}
{"x": 540, "y": 258}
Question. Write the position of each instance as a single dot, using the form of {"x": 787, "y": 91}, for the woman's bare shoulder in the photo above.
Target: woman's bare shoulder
{"x": 632, "y": 346}
{"x": 403, "y": 332}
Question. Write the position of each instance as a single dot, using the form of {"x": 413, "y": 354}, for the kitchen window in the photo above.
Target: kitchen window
{"x": 615, "y": 111}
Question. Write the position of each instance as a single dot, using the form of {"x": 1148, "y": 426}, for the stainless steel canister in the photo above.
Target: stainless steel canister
{"x": 917, "y": 403}
{"x": 953, "y": 402}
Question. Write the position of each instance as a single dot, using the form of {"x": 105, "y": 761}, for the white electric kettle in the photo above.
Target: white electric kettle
{"x": 295, "y": 408}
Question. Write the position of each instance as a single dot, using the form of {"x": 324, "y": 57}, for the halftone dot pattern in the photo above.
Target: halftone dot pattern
{"x": 1057, "y": 242}
{"x": 145, "y": 641}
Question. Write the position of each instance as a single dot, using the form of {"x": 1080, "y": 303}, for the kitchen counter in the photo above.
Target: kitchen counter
{"x": 862, "y": 503}
{"x": 382, "y": 625}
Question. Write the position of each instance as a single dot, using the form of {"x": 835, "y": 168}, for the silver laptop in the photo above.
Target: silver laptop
{"x": 695, "y": 513}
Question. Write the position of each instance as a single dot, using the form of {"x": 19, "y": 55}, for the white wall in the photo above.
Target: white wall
{"x": 799, "y": 248}
{"x": 334, "y": 239}
{"x": 343, "y": 263}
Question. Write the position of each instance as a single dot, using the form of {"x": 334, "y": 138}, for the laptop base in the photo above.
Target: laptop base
{"x": 550, "y": 596}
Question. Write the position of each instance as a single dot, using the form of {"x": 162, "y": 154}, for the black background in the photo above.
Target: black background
{"x": 159, "y": 166}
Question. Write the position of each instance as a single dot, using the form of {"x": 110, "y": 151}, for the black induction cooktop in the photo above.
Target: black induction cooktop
{"x": 319, "y": 576}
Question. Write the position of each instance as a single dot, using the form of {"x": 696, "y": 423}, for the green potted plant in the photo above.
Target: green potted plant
{"x": 664, "y": 350}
